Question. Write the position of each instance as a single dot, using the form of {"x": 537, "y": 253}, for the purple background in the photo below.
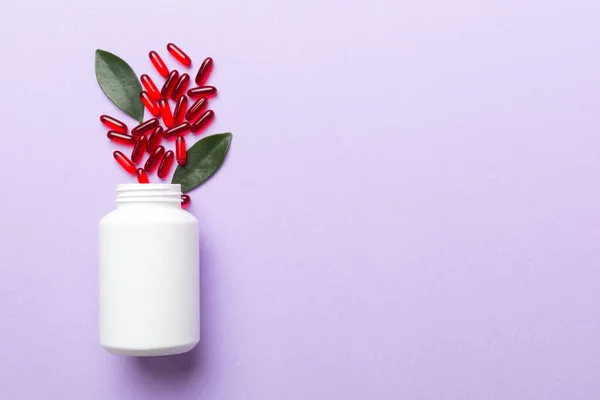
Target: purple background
{"x": 410, "y": 208}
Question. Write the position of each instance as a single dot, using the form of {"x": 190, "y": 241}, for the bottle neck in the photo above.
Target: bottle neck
{"x": 162, "y": 194}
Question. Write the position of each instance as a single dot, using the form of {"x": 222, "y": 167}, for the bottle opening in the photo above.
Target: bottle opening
{"x": 148, "y": 192}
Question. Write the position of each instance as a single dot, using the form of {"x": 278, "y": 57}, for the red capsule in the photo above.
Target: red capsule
{"x": 145, "y": 127}
{"x": 180, "y": 151}
{"x": 113, "y": 124}
{"x": 202, "y": 122}
{"x": 202, "y": 91}
{"x": 180, "y": 109}
{"x": 204, "y": 71}
{"x": 180, "y": 129}
{"x": 179, "y": 54}
{"x": 120, "y": 137}
{"x": 170, "y": 83}
{"x": 150, "y": 87}
{"x": 124, "y": 162}
{"x": 154, "y": 158}
{"x": 142, "y": 175}
{"x": 158, "y": 63}
{"x": 196, "y": 108}
{"x": 165, "y": 164}
{"x": 185, "y": 199}
{"x": 165, "y": 111}
{"x": 139, "y": 148}
{"x": 154, "y": 139}
{"x": 150, "y": 104}
{"x": 180, "y": 87}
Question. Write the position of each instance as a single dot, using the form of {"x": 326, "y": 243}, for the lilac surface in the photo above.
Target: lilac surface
{"x": 410, "y": 208}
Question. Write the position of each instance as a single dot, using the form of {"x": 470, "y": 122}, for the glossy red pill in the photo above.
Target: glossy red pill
{"x": 159, "y": 64}
{"x": 180, "y": 109}
{"x": 165, "y": 164}
{"x": 179, "y": 54}
{"x": 204, "y": 71}
{"x": 202, "y": 91}
{"x": 180, "y": 151}
{"x": 124, "y": 162}
{"x": 154, "y": 139}
{"x": 170, "y": 83}
{"x": 113, "y": 124}
{"x": 142, "y": 176}
{"x": 145, "y": 127}
{"x": 165, "y": 111}
{"x": 139, "y": 148}
{"x": 150, "y": 104}
{"x": 185, "y": 199}
{"x": 180, "y": 129}
{"x": 150, "y": 87}
{"x": 180, "y": 87}
{"x": 202, "y": 122}
{"x": 196, "y": 109}
{"x": 154, "y": 158}
{"x": 120, "y": 137}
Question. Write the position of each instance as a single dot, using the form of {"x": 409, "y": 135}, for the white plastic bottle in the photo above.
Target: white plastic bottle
{"x": 149, "y": 273}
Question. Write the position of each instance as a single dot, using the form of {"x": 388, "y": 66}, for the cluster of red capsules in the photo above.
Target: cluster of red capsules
{"x": 177, "y": 123}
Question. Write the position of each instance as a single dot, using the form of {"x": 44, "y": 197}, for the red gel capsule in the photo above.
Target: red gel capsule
{"x": 204, "y": 71}
{"x": 150, "y": 104}
{"x": 180, "y": 109}
{"x": 202, "y": 122}
{"x": 185, "y": 199}
{"x": 158, "y": 63}
{"x": 165, "y": 111}
{"x": 120, "y": 137}
{"x": 165, "y": 164}
{"x": 154, "y": 139}
{"x": 142, "y": 175}
{"x": 145, "y": 127}
{"x": 150, "y": 87}
{"x": 180, "y": 129}
{"x": 179, "y": 54}
{"x": 124, "y": 162}
{"x": 139, "y": 148}
{"x": 154, "y": 158}
{"x": 196, "y": 109}
{"x": 170, "y": 83}
{"x": 180, "y": 151}
{"x": 180, "y": 87}
{"x": 113, "y": 124}
{"x": 202, "y": 91}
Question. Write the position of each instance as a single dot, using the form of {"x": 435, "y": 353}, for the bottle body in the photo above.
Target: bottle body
{"x": 149, "y": 273}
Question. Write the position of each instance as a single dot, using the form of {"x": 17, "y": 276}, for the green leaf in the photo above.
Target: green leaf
{"x": 203, "y": 159}
{"x": 119, "y": 83}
